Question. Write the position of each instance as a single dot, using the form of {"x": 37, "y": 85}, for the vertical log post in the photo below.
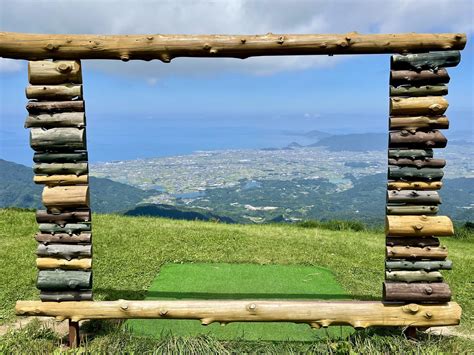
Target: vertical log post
{"x": 74, "y": 335}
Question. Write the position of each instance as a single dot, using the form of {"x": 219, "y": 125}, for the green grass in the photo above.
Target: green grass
{"x": 241, "y": 281}
{"x": 128, "y": 252}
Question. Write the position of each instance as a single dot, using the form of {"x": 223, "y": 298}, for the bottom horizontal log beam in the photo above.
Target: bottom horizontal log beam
{"x": 317, "y": 314}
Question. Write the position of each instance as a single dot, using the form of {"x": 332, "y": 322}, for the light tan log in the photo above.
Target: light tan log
{"x": 73, "y": 264}
{"x": 427, "y": 226}
{"x": 64, "y": 119}
{"x": 54, "y": 92}
{"x": 414, "y": 276}
{"x": 63, "y": 197}
{"x": 415, "y": 122}
{"x": 317, "y": 314}
{"x": 414, "y": 185}
{"x": 166, "y": 47}
{"x": 429, "y": 105}
{"x": 59, "y": 72}
{"x": 409, "y": 252}
{"x": 61, "y": 179}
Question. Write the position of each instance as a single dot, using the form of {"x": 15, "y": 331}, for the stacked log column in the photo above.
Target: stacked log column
{"x": 414, "y": 256}
{"x": 56, "y": 120}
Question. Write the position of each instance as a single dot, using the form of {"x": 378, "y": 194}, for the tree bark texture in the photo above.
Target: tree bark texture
{"x": 61, "y": 168}
{"x": 73, "y": 264}
{"x": 415, "y": 91}
{"x": 412, "y": 226}
{"x": 418, "y": 122}
{"x": 76, "y": 216}
{"x": 52, "y": 73}
{"x": 413, "y": 197}
{"x": 65, "y": 251}
{"x": 418, "y": 265}
{"x": 55, "y": 106}
{"x": 62, "y": 296}
{"x": 415, "y": 78}
{"x": 410, "y": 153}
{"x": 431, "y": 61}
{"x": 63, "y": 198}
{"x": 428, "y": 105}
{"x": 425, "y": 163}
{"x": 414, "y": 185}
{"x": 65, "y": 119}
{"x": 414, "y": 276}
{"x": 60, "y": 157}
{"x": 65, "y": 92}
{"x": 412, "y": 210}
{"x": 437, "y": 292}
{"x": 64, "y": 280}
{"x": 408, "y": 252}
{"x": 414, "y": 174}
{"x": 70, "y": 228}
{"x": 317, "y": 314}
{"x": 61, "y": 180}
{"x": 414, "y": 242}
{"x": 417, "y": 139}
{"x": 166, "y": 47}
{"x": 54, "y": 139}
{"x": 47, "y": 238}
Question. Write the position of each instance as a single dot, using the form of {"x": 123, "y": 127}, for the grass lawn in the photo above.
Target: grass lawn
{"x": 129, "y": 251}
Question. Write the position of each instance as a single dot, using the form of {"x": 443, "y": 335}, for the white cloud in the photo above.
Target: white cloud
{"x": 10, "y": 65}
{"x": 232, "y": 17}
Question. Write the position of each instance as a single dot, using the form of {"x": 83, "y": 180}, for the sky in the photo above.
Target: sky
{"x": 146, "y": 109}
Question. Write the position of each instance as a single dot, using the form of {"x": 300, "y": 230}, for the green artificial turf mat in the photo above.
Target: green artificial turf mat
{"x": 241, "y": 281}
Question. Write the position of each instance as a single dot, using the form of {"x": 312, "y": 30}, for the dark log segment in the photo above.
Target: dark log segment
{"x": 61, "y": 168}
{"x": 412, "y": 210}
{"x": 426, "y": 163}
{"x": 408, "y": 252}
{"x": 51, "y": 73}
{"x": 417, "y": 139}
{"x": 420, "y": 61}
{"x": 413, "y": 276}
{"x": 437, "y": 292}
{"x": 54, "y": 139}
{"x": 415, "y": 91}
{"x": 427, "y": 105}
{"x": 60, "y": 157}
{"x": 65, "y": 119}
{"x": 61, "y": 219}
{"x": 70, "y": 228}
{"x": 409, "y": 173}
{"x": 412, "y": 241}
{"x": 65, "y": 251}
{"x": 63, "y": 296}
{"x": 410, "y": 153}
{"x": 419, "y": 265}
{"x": 413, "y": 197}
{"x": 411, "y": 77}
{"x": 55, "y": 106}
{"x": 418, "y": 122}
{"x": 64, "y": 92}
{"x": 47, "y": 238}
{"x": 64, "y": 280}
{"x": 414, "y": 185}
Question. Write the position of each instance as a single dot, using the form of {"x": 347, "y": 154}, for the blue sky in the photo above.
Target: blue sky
{"x": 144, "y": 109}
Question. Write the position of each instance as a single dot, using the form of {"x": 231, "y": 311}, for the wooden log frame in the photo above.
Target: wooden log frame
{"x": 357, "y": 314}
{"x": 411, "y": 226}
{"x": 64, "y": 280}
{"x": 65, "y": 251}
{"x": 166, "y": 47}
{"x": 70, "y": 228}
{"x": 425, "y": 253}
{"x": 418, "y": 122}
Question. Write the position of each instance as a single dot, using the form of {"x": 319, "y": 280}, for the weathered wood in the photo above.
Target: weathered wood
{"x": 418, "y": 122}
{"x": 410, "y": 153}
{"x": 47, "y": 238}
{"x": 419, "y": 265}
{"x": 417, "y": 139}
{"x": 408, "y": 252}
{"x": 64, "y": 92}
{"x": 414, "y": 185}
{"x": 74, "y": 336}
{"x": 70, "y": 228}
{"x": 428, "y": 105}
{"x": 411, "y": 77}
{"x": 54, "y": 139}
{"x": 418, "y": 226}
{"x": 413, "y": 241}
{"x": 414, "y": 276}
{"x": 55, "y": 106}
{"x": 63, "y": 180}
{"x": 412, "y": 210}
{"x": 436, "y": 292}
{"x": 425, "y": 163}
{"x": 358, "y": 314}
{"x": 43, "y": 216}
{"x": 66, "y": 251}
{"x": 415, "y": 91}
{"x": 166, "y": 47}
{"x": 65, "y": 119}
{"x": 62, "y": 296}
{"x": 74, "y": 157}
{"x": 64, "y": 280}
{"x": 51, "y": 73}
{"x": 420, "y": 61}
{"x": 409, "y": 173}
{"x": 65, "y": 197}
{"x": 413, "y": 197}
{"x": 61, "y": 168}
{"x": 73, "y": 264}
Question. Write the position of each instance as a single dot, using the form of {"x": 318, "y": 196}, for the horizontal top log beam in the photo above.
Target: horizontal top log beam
{"x": 166, "y": 47}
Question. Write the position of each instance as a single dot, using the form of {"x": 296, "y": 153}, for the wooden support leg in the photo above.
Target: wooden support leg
{"x": 73, "y": 334}
{"x": 410, "y": 333}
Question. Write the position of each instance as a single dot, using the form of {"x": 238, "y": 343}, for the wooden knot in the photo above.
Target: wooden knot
{"x": 435, "y": 107}
{"x": 163, "y": 312}
{"x": 213, "y": 51}
{"x": 206, "y": 47}
{"x": 432, "y": 208}
{"x": 252, "y": 307}
{"x": 64, "y": 68}
{"x": 51, "y": 47}
{"x": 243, "y": 40}
{"x": 428, "y": 290}
{"x": 414, "y": 193}
{"x": 404, "y": 133}
{"x": 150, "y": 38}
{"x": 428, "y": 315}
{"x": 165, "y": 58}
{"x": 323, "y": 45}
{"x": 423, "y": 217}
{"x": 124, "y": 307}
{"x": 281, "y": 40}
{"x": 342, "y": 44}
{"x": 412, "y": 308}
{"x": 418, "y": 227}
{"x": 124, "y": 57}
